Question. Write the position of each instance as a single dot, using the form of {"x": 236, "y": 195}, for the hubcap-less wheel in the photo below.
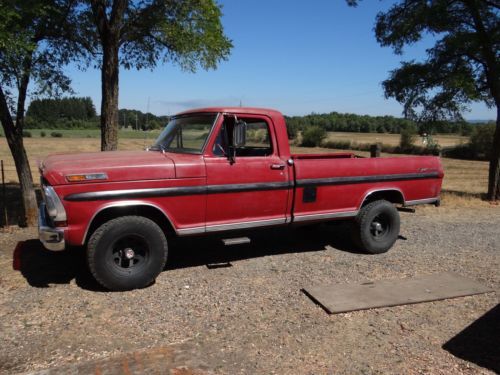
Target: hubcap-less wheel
{"x": 379, "y": 226}
{"x": 130, "y": 252}
{"x": 376, "y": 227}
{"x": 127, "y": 252}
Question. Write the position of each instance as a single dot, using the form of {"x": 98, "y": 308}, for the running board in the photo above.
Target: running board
{"x": 235, "y": 241}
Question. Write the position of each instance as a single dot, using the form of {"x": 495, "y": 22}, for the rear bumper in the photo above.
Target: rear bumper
{"x": 52, "y": 238}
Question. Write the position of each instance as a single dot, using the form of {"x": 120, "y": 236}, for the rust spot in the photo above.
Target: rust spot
{"x": 126, "y": 369}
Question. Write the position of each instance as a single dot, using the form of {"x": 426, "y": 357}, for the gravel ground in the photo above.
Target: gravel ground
{"x": 251, "y": 316}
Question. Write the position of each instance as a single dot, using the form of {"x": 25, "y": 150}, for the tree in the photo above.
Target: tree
{"x": 141, "y": 33}
{"x": 35, "y": 41}
{"x": 313, "y": 136}
{"x": 462, "y": 66}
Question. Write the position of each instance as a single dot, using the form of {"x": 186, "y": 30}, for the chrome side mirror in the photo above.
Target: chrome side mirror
{"x": 239, "y": 134}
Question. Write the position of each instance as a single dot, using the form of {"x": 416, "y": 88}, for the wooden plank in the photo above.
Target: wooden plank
{"x": 338, "y": 298}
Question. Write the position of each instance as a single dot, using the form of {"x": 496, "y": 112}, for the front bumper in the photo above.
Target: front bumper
{"x": 52, "y": 238}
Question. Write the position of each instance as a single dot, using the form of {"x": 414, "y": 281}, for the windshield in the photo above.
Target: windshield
{"x": 186, "y": 134}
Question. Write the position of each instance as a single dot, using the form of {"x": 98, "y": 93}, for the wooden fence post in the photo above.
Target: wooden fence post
{"x": 4, "y": 197}
{"x": 375, "y": 150}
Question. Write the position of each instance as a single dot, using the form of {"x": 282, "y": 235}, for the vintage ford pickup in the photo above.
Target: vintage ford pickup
{"x": 214, "y": 170}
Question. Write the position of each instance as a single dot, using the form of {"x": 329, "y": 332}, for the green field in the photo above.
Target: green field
{"x": 94, "y": 133}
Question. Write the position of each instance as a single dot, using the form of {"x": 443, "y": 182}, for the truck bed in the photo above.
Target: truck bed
{"x": 336, "y": 185}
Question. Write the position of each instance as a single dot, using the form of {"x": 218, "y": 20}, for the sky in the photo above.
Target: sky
{"x": 295, "y": 56}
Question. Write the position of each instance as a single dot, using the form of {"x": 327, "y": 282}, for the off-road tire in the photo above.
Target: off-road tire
{"x": 108, "y": 244}
{"x": 376, "y": 227}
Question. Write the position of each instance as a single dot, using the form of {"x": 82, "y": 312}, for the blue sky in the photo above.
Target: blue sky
{"x": 295, "y": 56}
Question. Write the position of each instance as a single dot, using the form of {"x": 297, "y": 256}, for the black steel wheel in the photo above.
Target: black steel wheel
{"x": 376, "y": 227}
{"x": 127, "y": 253}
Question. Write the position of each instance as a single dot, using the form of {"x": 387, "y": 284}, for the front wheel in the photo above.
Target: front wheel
{"x": 126, "y": 253}
{"x": 376, "y": 227}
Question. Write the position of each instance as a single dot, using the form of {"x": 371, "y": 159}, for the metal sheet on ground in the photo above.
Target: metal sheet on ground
{"x": 339, "y": 298}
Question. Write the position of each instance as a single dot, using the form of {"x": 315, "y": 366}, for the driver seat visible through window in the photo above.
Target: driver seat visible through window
{"x": 258, "y": 139}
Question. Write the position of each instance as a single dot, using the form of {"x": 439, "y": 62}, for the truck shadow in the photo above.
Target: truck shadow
{"x": 41, "y": 267}
{"x": 199, "y": 251}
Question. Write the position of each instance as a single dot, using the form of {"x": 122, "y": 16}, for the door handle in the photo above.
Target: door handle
{"x": 277, "y": 166}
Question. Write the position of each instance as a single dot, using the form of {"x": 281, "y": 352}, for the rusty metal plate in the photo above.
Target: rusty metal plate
{"x": 338, "y": 298}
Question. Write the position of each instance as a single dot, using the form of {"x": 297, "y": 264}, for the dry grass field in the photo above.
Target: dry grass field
{"x": 465, "y": 181}
{"x": 444, "y": 140}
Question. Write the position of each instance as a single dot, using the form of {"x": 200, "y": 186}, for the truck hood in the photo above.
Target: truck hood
{"x": 118, "y": 166}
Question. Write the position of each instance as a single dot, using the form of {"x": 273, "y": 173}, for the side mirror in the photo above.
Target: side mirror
{"x": 239, "y": 134}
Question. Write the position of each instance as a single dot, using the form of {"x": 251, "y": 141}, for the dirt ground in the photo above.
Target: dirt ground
{"x": 241, "y": 309}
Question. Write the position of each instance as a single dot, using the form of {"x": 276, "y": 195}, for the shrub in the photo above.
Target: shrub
{"x": 407, "y": 138}
{"x": 340, "y": 145}
{"x": 312, "y": 136}
{"x": 56, "y": 134}
{"x": 43, "y": 134}
{"x": 481, "y": 141}
{"x": 26, "y": 134}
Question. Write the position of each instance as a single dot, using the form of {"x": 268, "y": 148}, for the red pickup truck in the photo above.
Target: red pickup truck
{"x": 214, "y": 170}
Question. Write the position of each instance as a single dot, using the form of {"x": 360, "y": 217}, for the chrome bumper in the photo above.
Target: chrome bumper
{"x": 51, "y": 238}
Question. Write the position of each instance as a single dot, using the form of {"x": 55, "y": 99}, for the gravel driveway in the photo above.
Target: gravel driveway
{"x": 246, "y": 313}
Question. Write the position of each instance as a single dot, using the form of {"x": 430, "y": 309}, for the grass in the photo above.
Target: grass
{"x": 464, "y": 184}
{"x": 93, "y": 133}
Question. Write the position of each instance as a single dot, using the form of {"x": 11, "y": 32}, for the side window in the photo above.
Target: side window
{"x": 258, "y": 139}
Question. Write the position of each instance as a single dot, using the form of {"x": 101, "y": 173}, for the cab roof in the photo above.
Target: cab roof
{"x": 238, "y": 110}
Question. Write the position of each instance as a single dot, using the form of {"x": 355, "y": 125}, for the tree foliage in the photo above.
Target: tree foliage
{"x": 37, "y": 38}
{"x": 349, "y": 122}
{"x": 313, "y": 136}
{"x": 52, "y": 110}
{"x": 463, "y": 65}
{"x": 141, "y": 34}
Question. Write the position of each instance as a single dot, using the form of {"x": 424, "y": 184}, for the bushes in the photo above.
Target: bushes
{"x": 26, "y": 134}
{"x": 56, "y": 134}
{"x": 43, "y": 134}
{"x": 407, "y": 138}
{"x": 312, "y": 136}
{"x": 479, "y": 146}
{"x": 481, "y": 141}
{"x": 340, "y": 145}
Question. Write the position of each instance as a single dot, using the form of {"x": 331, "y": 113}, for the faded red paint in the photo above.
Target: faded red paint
{"x": 153, "y": 169}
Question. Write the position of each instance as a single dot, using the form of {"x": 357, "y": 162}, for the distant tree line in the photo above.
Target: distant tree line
{"x": 140, "y": 121}
{"x": 348, "y": 122}
{"x": 80, "y": 113}
{"x": 71, "y": 112}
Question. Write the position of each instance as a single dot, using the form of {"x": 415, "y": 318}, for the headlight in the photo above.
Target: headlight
{"x": 55, "y": 208}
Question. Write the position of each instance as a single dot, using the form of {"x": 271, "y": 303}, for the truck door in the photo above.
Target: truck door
{"x": 251, "y": 189}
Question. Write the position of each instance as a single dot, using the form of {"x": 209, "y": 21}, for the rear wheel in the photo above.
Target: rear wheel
{"x": 376, "y": 227}
{"x": 127, "y": 253}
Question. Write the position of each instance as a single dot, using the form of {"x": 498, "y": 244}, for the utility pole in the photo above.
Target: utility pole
{"x": 147, "y": 115}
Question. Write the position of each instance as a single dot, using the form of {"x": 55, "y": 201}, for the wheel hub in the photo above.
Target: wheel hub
{"x": 128, "y": 253}
{"x": 377, "y": 228}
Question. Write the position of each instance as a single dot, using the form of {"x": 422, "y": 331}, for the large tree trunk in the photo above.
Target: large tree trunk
{"x": 494, "y": 175}
{"x": 109, "y": 102}
{"x": 14, "y": 137}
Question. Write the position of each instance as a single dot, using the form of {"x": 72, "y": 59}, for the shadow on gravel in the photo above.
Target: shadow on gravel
{"x": 479, "y": 342}
{"x": 41, "y": 267}
{"x": 199, "y": 251}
